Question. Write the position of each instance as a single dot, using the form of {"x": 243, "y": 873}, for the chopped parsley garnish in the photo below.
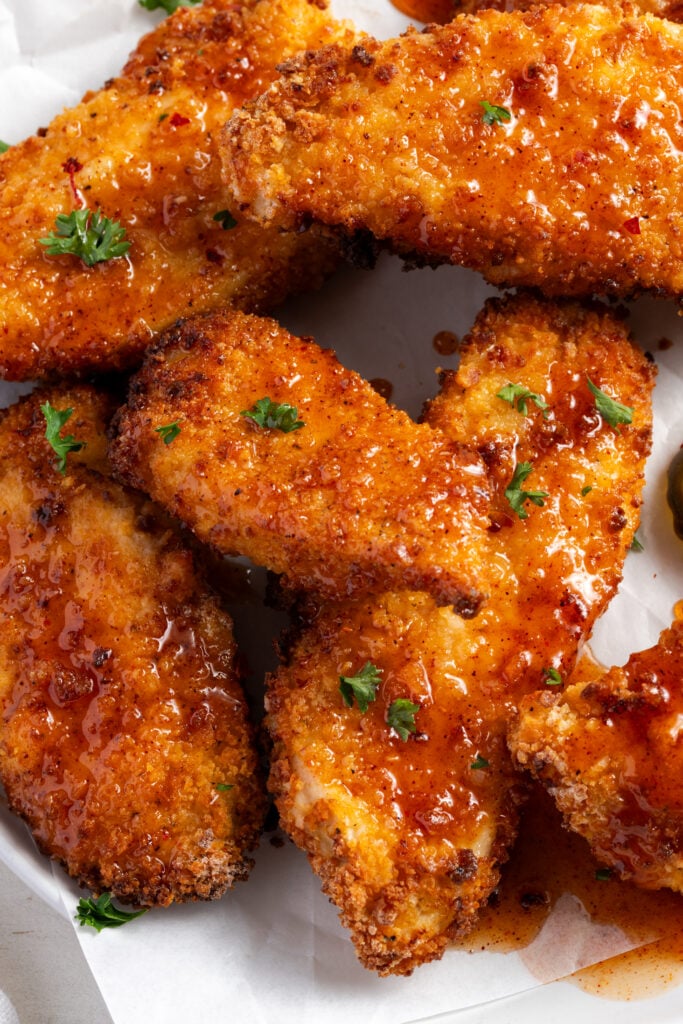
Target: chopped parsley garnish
{"x": 4, "y": 146}
{"x": 55, "y": 420}
{"x": 101, "y": 913}
{"x": 612, "y": 412}
{"x": 552, "y": 677}
{"x": 223, "y": 787}
{"x": 273, "y": 416}
{"x": 603, "y": 874}
{"x": 479, "y": 763}
{"x": 516, "y": 495}
{"x": 168, "y": 432}
{"x": 493, "y": 114}
{"x": 518, "y": 396}
{"x": 636, "y": 544}
{"x": 226, "y": 219}
{"x": 401, "y": 716}
{"x": 162, "y": 117}
{"x": 88, "y": 235}
{"x": 362, "y": 686}
{"x": 586, "y": 490}
{"x": 170, "y": 6}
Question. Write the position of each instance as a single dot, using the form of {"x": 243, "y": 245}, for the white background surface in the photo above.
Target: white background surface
{"x": 289, "y": 959}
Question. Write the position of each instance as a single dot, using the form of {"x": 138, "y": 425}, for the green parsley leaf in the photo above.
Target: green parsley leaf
{"x": 636, "y": 544}
{"x": 169, "y": 432}
{"x": 362, "y": 686}
{"x": 603, "y": 874}
{"x": 226, "y": 219}
{"x": 612, "y": 412}
{"x": 170, "y": 6}
{"x": 101, "y": 913}
{"x": 552, "y": 677}
{"x": 401, "y": 717}
{"x": 88, "y": 235}
{"x": 586, "y": 490}
{"x": 274, "y": 416}
{"x": 162, "y": 117}
{"x": 55, "y": 420}
{"x": 493, "y": 114}
{"x": 517, "y": 496}
{"x": 4, "y": 146}
{"x": 479, "y": 763}
{"x": 223, "y": 787}
{"x": 518, "y": 396}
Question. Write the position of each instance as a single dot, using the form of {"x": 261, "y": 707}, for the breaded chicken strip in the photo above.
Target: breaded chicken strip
{"x": 143, "y": 151}
{"x": 124, "y": 740}
{"x": 542, "y": 148}
{"x": 559, "y": 567}
{"x": 408, "y": 835}
{"x": 352, "y": 496}
{"x": 608, "y": 749}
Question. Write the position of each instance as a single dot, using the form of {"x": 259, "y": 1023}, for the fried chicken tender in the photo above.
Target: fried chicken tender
{"x": 559, "y": 568}
{"x": 143, "y": 150}
{"x": 124, "y": 739}
{"x": 408, "y": 836}
{"x": 358, "y": 497}
{"x": 541, "y": 148}
{"x": 608, "y": 750}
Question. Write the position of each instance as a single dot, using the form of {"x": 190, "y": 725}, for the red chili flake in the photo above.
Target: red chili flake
{"x": 72, "y": 166}
{"x": 632, "y": 226}
{"x": 177, "y": 120}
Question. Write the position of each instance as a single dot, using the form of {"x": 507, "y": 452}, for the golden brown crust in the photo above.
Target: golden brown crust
{"x": 120, "y": 705}
{"x": 359, "y": 498}
{"x": 608, "y": 750}
{"x": 408, "y": 837}
{"x": 146, "y": 155}
{"x": 576, "y": 193}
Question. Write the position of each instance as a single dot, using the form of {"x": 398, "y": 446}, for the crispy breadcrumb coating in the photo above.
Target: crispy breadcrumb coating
{"x": 608, "y": 750}
{"x": 143, "y": 151}
{"x": 124, "y": 740}
{"x": 541, "y": 148}
{"x": 359, "y": 497}
{"x": 408, "y": 836}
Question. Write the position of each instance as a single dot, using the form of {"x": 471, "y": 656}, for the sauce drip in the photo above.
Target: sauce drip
{"x": 427, "y": 11}
{"x": 383, "y": 387}
{"x": 446, "y": 343}
{"x": 550, "y": 864}
{"x": 674, "y": 491}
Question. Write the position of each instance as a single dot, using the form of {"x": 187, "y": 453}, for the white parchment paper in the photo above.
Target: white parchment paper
{"x": 273, "y": 948}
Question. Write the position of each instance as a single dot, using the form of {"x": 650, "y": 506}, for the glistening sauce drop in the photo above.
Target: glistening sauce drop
{"x": 428, "y": 11}
{"x": 674, "y": 491}
{"x": 446, "y": 343}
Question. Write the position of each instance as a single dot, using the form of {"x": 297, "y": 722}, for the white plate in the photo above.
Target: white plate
{"x": 274, "y": 947}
